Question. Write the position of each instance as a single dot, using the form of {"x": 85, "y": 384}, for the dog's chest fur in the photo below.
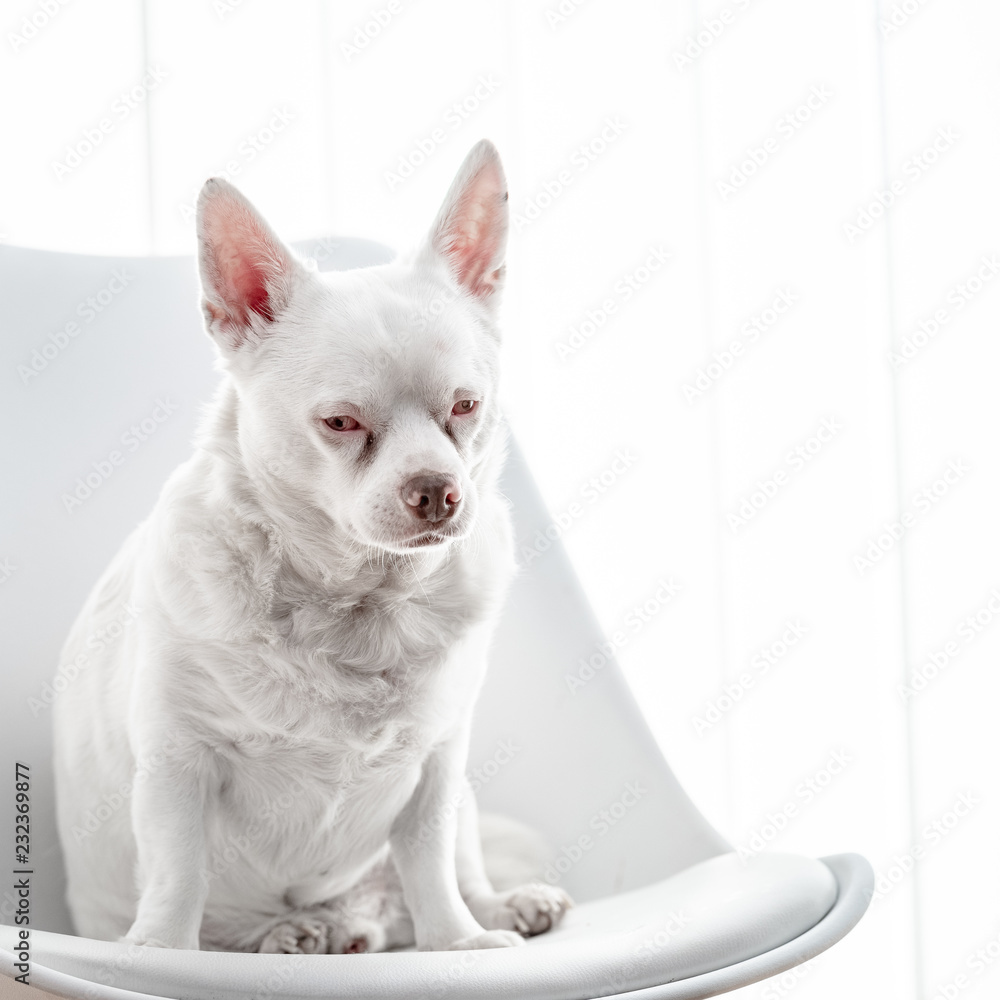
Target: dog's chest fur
{"x": 319, "y": 701}
{"x": 361, "y": 667}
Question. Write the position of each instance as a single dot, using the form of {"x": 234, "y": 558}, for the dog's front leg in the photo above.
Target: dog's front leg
{"x": 532, "y": 908}
{"x": 423, "y": 840}
{"x": 169, "y": 827}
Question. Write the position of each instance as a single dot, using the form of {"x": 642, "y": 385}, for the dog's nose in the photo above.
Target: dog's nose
{"x": 432, "y": 498}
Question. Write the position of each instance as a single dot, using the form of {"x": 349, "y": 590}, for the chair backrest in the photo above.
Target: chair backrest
{"x": 104, "y": 366}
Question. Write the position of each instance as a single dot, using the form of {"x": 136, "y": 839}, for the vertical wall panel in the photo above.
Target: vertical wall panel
{"x": 245, "y": 102}
{"x": 422, "y": 88}
{"x": 606, "y": 315}
{"x": 816, "y": 752}
{"x": 943, "y": 143}
{"x": 75, "y": 152}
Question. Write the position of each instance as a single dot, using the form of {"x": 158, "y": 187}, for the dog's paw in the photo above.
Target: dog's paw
{"x": 301, "y": 936}
{"x": 140, "y": 936}
{"x": 355, "y": 936}
{"x": 144, "y": 941}
{"x": 529, "y": 909}
{"x": 488, "y": 939}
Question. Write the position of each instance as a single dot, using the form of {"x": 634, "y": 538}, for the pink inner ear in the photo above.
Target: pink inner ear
{"x": 474, "y": 233}
{"x": 242, "y": 262}
{"x": 247, "y": 281}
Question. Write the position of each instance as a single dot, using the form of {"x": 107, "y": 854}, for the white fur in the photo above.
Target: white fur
{"x": 276, "y": 746}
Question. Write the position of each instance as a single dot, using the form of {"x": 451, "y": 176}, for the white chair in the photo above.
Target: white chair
{"x": 665, "y": 908}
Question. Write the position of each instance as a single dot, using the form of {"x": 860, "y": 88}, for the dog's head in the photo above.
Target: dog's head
{"x": 367, "y": 395}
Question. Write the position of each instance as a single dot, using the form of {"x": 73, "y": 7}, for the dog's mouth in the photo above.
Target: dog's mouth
{"x": 428, "y": 538}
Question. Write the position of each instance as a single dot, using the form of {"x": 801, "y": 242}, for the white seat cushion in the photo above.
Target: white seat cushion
{"x": 714, "y": 914}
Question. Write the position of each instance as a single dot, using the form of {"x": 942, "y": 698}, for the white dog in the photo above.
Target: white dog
{"x": 280, "y": 737}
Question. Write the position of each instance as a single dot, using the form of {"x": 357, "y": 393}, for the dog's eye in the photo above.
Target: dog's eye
{"x": 342, "y": 423}
{"x": 464, "y": 407}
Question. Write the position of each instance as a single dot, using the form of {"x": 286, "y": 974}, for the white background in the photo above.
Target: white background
{"x": 630, "y": 129}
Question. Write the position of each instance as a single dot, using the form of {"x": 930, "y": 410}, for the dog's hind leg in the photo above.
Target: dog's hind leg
{"x": 501, "y": 889}
{"x": 371, "y": 916}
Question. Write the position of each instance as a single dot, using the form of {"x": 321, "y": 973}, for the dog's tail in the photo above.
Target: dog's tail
{"x": 512, "y": 852}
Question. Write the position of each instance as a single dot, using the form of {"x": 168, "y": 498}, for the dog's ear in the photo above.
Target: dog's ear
{"x": 470, "y": 232}
{"x": 246, "y": 271}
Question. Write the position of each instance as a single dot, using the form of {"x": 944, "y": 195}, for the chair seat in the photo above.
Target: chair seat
{"x": 714, "y": 914}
